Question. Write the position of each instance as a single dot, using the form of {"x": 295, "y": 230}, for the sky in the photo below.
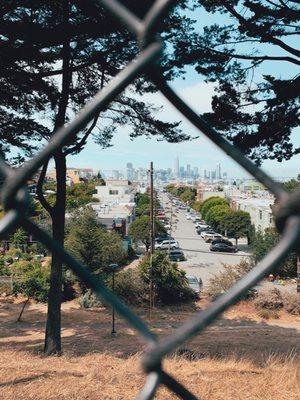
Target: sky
{"x": 199, "y": 153}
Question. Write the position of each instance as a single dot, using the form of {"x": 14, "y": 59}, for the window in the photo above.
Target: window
{"x": 260, "y": 214}
{"x": 113, "y": 192}
{"x": 271, "y": 218}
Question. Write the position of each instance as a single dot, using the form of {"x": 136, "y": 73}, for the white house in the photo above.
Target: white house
{"x": 259, "y": 209}
{"x": 116, "y": 192}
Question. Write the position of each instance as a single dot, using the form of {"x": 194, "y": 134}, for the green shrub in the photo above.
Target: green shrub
{"x": 32, "y": 279}
{"x": 291, "y": 303}
{"x": 130, "y": 287}
{"x": 170, "y": 285}
{"x": 221, "y": 282}
{"x": 263, "y": 242}
{"x": 269, "y": 300}
{"x": 89, "y": 300}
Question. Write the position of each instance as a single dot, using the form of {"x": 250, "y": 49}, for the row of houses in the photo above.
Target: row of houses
{"x": 250, "y": 197}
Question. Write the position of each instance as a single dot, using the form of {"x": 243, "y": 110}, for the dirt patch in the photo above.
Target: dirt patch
{"x": 239, "y": 356}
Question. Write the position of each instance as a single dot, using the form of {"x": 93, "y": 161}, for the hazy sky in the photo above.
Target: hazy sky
{"x": 200, "y": 152}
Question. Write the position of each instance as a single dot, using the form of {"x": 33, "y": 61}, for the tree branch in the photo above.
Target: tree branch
{"x": 82, "y": 141}
{"x": 266, "y": 37}
{"x": 39, "y": 190}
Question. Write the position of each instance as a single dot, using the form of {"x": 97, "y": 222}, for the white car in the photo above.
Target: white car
{"x": 195, "y": 283}
{"x": 208, "y": 231}
{"x": 167, "y": 244}
{"x": 188, "y": 216}
{"x": 212, "y": 236}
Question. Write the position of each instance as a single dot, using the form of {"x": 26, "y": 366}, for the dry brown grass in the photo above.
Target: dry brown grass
{"x": 105, "y": 377}
{"x": 230, "y": 360}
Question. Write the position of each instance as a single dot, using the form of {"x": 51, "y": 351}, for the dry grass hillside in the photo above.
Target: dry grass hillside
{"x": 239, "y": 357}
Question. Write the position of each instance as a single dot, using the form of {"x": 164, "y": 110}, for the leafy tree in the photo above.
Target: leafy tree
{"x": 216, "y": 214}
{"x": 292, "y": 184}
{"x": 241, "y": 50}
{"x": 265, "y": 241}
{"x": 237, "y": 224}
{"x": 93, "y": 245}
{"x": 211, "y": 202}
{"x": 140, "y": 230}
{"x": 170, "y": 188}
{"x": 197, "y": 205}
{"x": 55, "y": 55}
{"x": 144, "y": 209}
{"x": 19, "y": 238}
{"x": 188, "y": 196}
{"x": 169, "y": 282}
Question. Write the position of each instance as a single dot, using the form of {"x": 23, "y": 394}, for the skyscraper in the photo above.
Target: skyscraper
{"x": 176, "y": 167}
{"x": 219, "y": 172}
{"x": 188, "y": 170}
{"x": 129, "y": 171}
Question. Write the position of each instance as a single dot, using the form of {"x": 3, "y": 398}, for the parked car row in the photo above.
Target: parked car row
{"x": 218, "y": 243}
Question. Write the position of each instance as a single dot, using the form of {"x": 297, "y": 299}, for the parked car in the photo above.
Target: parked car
{"x": 222, "y": 240}
{"x": 162, "y": 238}
{"x": 224, "y": 247}
{"x": 195, "y": 283}
{"x": 176, "y": 255}
{"x": 167, "y": 244}
{"x": 204, "y": 226}
{"x": 212, "y": 236}
{"x": 207, "y": 232}
{"x": 188, "y": 216}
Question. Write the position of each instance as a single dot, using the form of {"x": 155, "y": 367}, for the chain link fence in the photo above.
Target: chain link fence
{"x": 15, "y": 198}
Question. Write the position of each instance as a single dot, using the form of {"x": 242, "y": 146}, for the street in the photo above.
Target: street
{"x": 200, "y": 261}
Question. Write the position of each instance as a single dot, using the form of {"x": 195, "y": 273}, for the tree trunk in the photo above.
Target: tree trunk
{"x": 53, "y": 325}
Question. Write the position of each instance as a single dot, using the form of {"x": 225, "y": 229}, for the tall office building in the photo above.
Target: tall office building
{"x": 188, "y": 170}
{"x": 129, "y": 172}
{"x": 176, "y": 167}
{"x": 219, "y": 172}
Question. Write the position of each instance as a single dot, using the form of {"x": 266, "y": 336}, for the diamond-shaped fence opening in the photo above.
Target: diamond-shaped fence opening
{"x": 14, "y": 197}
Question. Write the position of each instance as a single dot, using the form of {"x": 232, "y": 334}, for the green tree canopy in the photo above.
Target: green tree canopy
{"x": 261, "y": 245}
{"x": 91, "y": 244}
{"x": 216, "y": 214}
{"x": 250, "y": 51}
{"x": 140, "y": 230}
{"x": 169, "y": 282}
{"x": 188, "y": 196}
{"x": 237, "y": 224}
{"x": 211, "y": 202}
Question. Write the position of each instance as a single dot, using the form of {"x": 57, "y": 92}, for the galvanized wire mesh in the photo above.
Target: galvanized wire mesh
{"x": 15, "y": 198}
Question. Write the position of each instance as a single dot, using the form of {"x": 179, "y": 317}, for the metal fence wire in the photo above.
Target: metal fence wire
{"x": 15, "y": 198}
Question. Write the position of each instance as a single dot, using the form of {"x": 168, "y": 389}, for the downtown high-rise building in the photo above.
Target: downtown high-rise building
{"x": 176, "y": 167}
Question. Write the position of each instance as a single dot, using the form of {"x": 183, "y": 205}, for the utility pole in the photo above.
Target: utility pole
{"x": 152, "y": 236}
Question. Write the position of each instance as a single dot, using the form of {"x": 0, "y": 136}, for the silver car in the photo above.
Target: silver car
{"x": 195, "y": 283}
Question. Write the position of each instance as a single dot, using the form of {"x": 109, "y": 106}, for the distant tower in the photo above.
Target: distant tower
{"x": 176, "y": 167}
{"x": 219, "y": 171}
{"x": 188, "y": 170}
{"x": 129, "y": 172}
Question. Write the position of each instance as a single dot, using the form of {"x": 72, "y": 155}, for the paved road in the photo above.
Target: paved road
{"x": 199, "y": 260}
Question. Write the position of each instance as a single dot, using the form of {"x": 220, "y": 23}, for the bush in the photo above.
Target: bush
{"x": 263, "y": 242}
{"x": 221, "y": 282}
{"x": 33, "y": 279}
{"x": 130, "y": 287}
{"x": 170, "y": 285}
{"x": 89, "y": 300}
{"x": 268, "y": 314}
{"x": 269, "y": 300}
{"x": 291, "y": 303}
